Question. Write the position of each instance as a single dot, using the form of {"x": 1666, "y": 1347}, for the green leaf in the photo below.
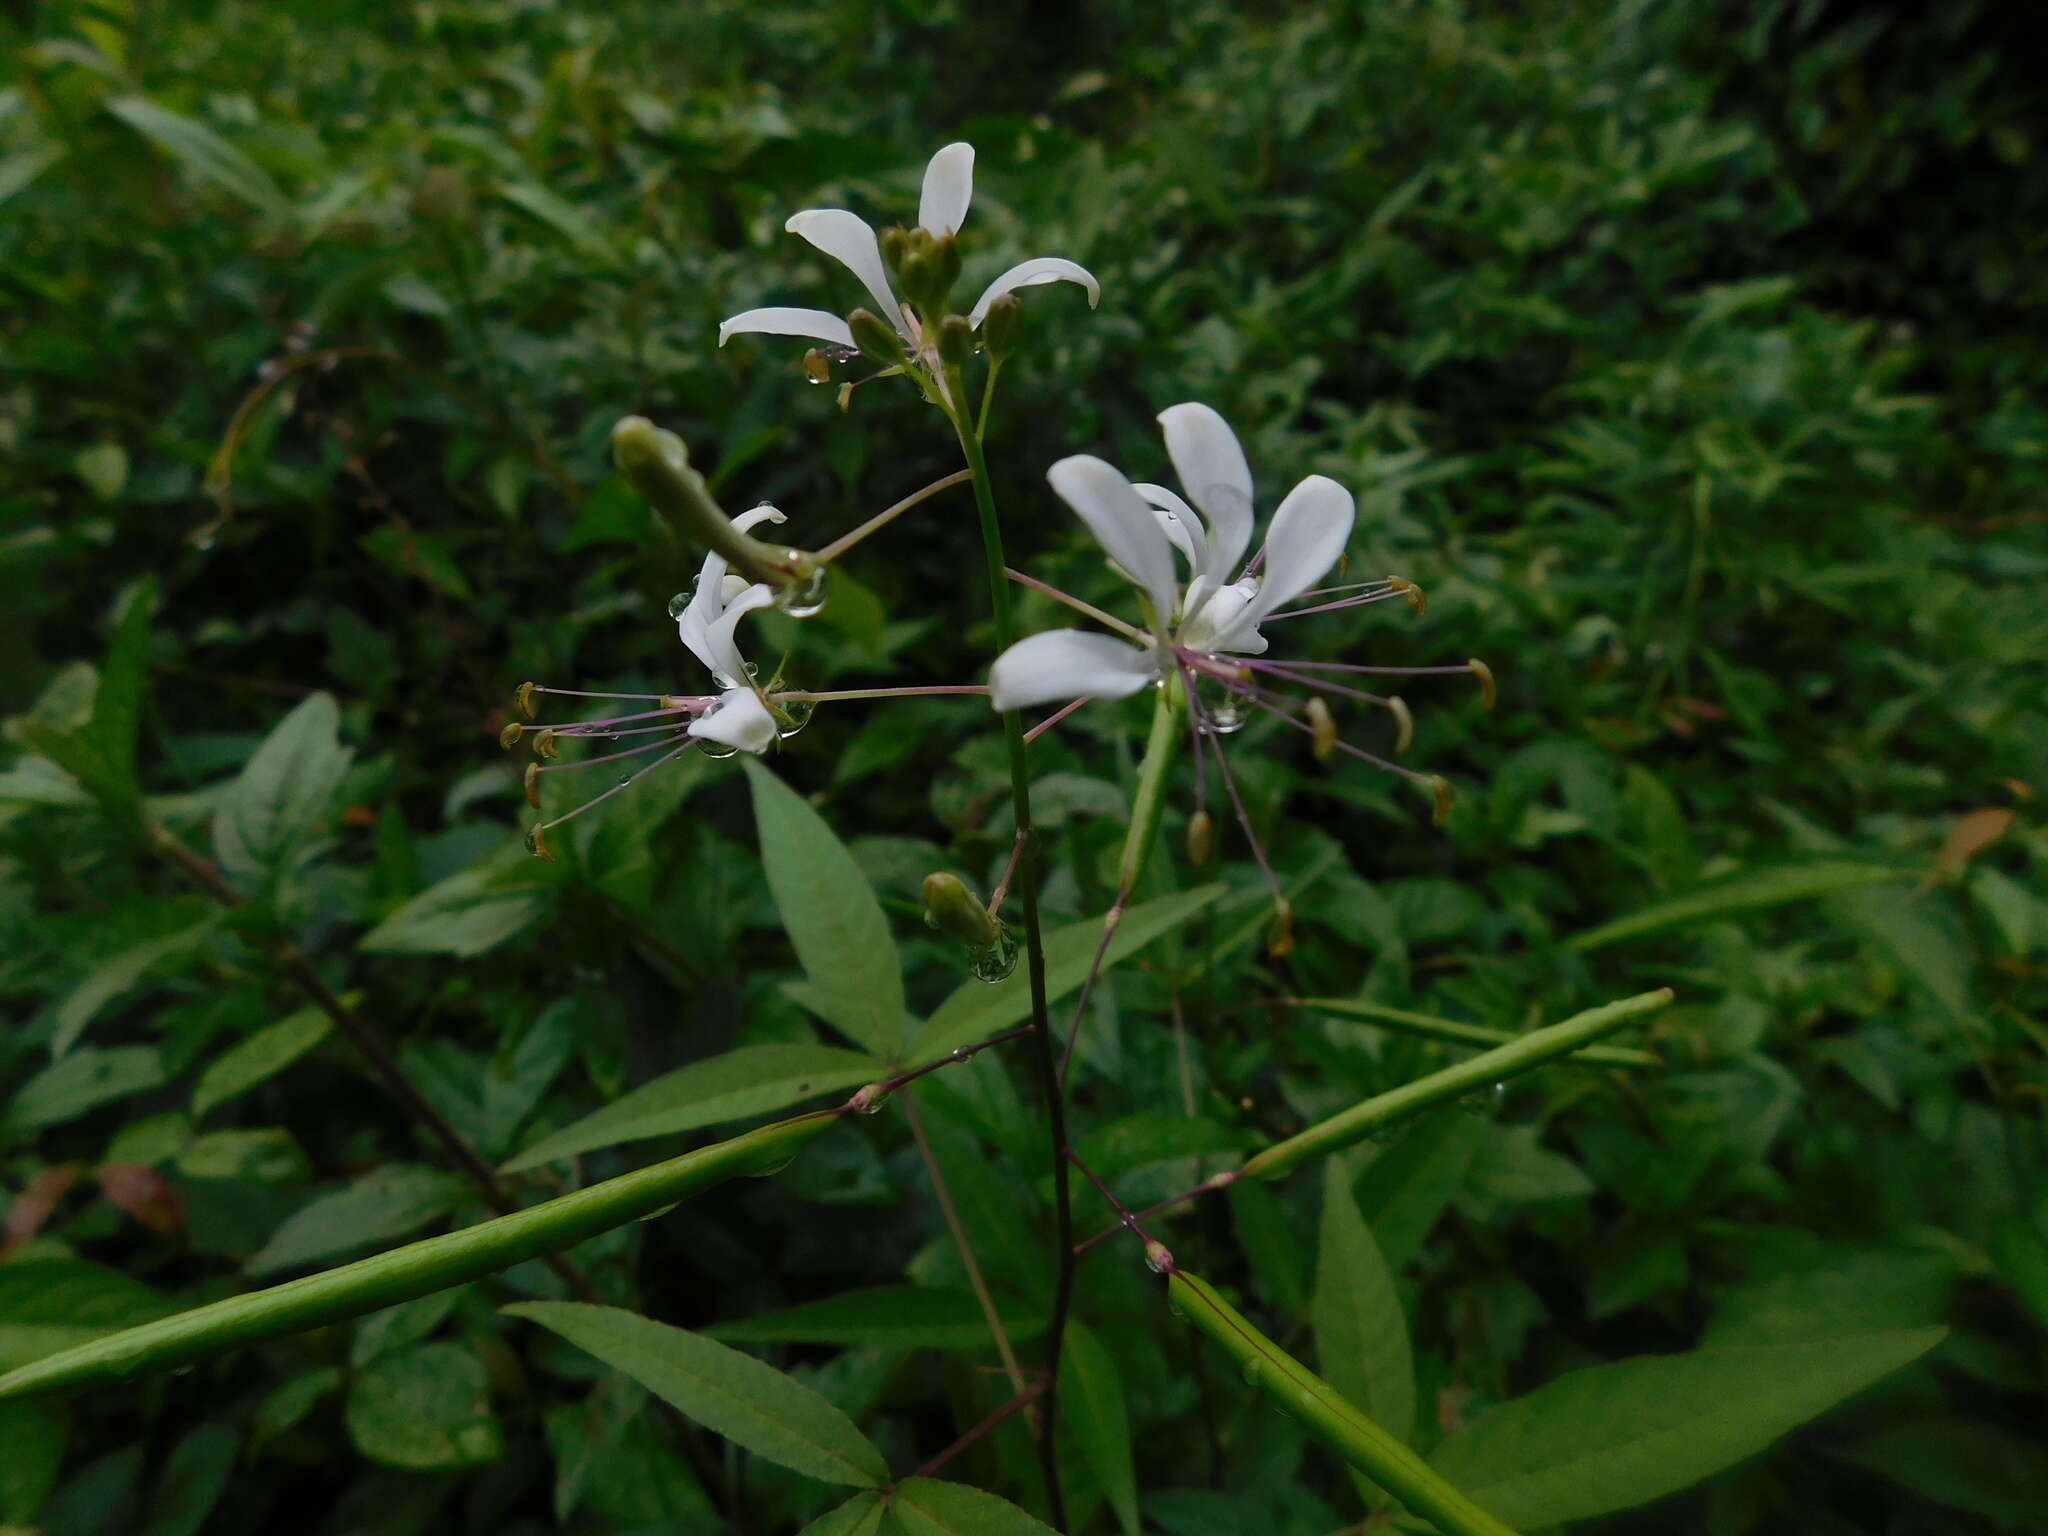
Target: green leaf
{"x": 894, "y": 1316}
{"x": 103, "y": 467}
{"x": 101, "y": 752}
{"x": 1361, "y": 1331}
{"x": 473, "y": 910}
{"x": 750, "y": 1403}
{"x": 73, "y": 1291}
{"x": 79, "y": 1082}
{"x": 563, "y": 218}
{"x": 200, "y": 150}
{"x": 1964, "y": 1464}
{"x": 35, "y": 1435}
{"x": 1266, "y": 1234}
{"x": 1750, "y": 891}
{"x": 285, "y": 795}
{"x": 832, "y": 916}
{"x": 427, "y": 1409}
{"x": 264, "y": 1054}
{"x": 924, "y": 1506}
{"x": 749, "y": 1081}
{"x": 118, "y": 974}
{"x": 1406, "y": 1187}
{"x": 194, "y": 1477}
{"x": 1918, "y": 935}
{"x": 979, "y": 1009}
{"x": 1092, "y": 1402}
{"x": 269, "y": 1155}
{"x": 1616, "y": 1436}
{"x": 860, "y": 1515}
{"x": 377, "y": 1207}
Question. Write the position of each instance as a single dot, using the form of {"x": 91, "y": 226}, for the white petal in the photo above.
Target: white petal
{"x": 1213, "y": 472}
{"x": 818, "y": 324}
{"x": 739, "y": 719}
{"x": 1216, "y": 625}
{"x": 948, "y": 186}
{"x": 1190, "y": 535}
{"x": 1029, "y": 274}
{"x": 721, "y": 652}
{"x": 766, "y": 512}
{"x": 1305, "y": 538}
{"x": 707, "y": 601}
{"x": 846, "y": 237}
{"x": 1122, "y": 524}
{"x": 1066, "y": 664}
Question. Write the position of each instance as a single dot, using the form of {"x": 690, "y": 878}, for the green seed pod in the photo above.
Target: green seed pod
{"x": 951, "y": 909}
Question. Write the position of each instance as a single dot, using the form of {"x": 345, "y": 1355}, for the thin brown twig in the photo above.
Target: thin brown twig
{"x": 1023, "y": 1399}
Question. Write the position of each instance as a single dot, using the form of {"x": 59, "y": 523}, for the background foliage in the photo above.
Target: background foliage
{"x": 1688, "y": 354}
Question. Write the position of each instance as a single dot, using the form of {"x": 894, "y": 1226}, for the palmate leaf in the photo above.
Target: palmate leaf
{"x": 833, "y": 918}
{"x": 1615, "y": 1436}
{"x": 750, "y": 1403}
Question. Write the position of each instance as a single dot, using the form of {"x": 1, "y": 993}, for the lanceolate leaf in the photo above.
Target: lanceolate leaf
{"x": 837, "y": 926}
{"x": 202, "y": 151}
{"x": 749, "y": 1081}
{"x": 1615, "y": 1436}
{"x": 1093, "y": 1403}
{"x": 979, "y": 1009}
{"x": 1746, "y": 892}
{"x": 860, "y": 1515}
{"x": 924, "y": 1506}
{"x": 752, "y": 1404}
{"x": 1361, "y": 1332}
{"x": 264, "y": 1054}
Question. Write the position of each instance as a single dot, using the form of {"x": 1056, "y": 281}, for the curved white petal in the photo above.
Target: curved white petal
{"x": 818, "y": 324}
{"x": 1065, "y": 664}
{"x": 1212, "y": 470}
{"x": 1029, "y": 274}
{"x": 721, "y": 651}
{"x": 846, "y": 238}
{"x": 1218, "y": 624}
{"x": 1122, "y": 523}
{"x": 1183, "y": 525}
{"x": 765, "y": 512}
{"x": 1305, "y": 538}
{"x": 948, "y": 187}
{"x": 739, "y": 719}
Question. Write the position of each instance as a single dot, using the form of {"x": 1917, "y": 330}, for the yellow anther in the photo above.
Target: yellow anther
{"x": 525, "y": 698}
{"x": 1487, "y": 692}
{"x": 845, "y": 398}
{"x": 544, "y": 743}
{"x": 1280, "y": 932}
{"x": 1324, "y": 724}
{"x": 1417, "y": 598}
{"x": 537, "y": 843}
{"x": 508, "y": 738}
{"x": 532, "y": 781}
{"x": 1440, "y": 787}
{"x": 1201, "y": 838}
{"x": 1404, "y": 724}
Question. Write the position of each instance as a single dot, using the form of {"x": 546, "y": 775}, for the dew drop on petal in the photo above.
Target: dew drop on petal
{"x": 805, "y": 596}
{"x": 677, "y": 604}
{"x": 717, "y": 749}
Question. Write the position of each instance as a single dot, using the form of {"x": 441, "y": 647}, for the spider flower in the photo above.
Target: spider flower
{"x": 1207, "y": 626}
{"x": 924, "y": 264}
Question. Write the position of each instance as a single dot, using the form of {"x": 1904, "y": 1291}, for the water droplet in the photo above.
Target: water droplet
{"x": 995, "y": 961}
{"x": 805, "y": 596}
{"x": 715, "y": 749}
{"x": 1253, "y": 1370}
{"x": 625, "y": 778}
{"x": 677, "y": 604}
{"x": 1223, "y": 718}
{"x": 792, "y": 715}
{"x": 958, "y": 1053}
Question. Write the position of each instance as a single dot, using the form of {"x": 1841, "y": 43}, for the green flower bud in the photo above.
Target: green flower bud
{"x": 953, "y": 910}
{"x": 876, "y": 338}
{"x": 659, "y": 466}
{"x": 895, "y": 243}
{"x": 945, "y": 270}
{"x": 956, "y": 340}
{"x": 1002, "y": 328}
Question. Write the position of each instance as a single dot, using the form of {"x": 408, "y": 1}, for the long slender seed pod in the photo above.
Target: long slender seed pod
{"x": 416, "y": 1269}
{"x": 1452, "y": 1032}
{"x": 1324, "y": 1413}
{"x": 1482, "y": 1071}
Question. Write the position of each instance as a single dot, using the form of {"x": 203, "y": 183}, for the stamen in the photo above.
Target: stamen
{"x": 609, "y": 757}
{"x": 1342, "y": 602}
{"x": 508, "y": 738}
{"x": 1347, "y": 666}
{"x": 1404, "y": 724}
{"x": 1428, "y": 781}
{"x": 1128, "y": 631}
{"x": 528, "y": 690}
{"x": 1487, "y": 692}
{"x": 1339, "y": 689}
{"x": 1325, "y": 726}
{"x": 1417, "y": 598}
{"x": 1052, "y": 720}
{"x": 1244, "y": 820}
{"x": 524, "y": 695}
{"x": 536, "y": 838}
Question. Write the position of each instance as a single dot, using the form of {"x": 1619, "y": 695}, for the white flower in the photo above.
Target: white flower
{"x": 1216, "y": 614}
{"x": 706, "y": 625}
{"x": 849, "y": 239}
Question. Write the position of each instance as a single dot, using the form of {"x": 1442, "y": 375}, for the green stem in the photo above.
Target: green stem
{"x": 1482, "y": 1071}
{"x": 1169, "y": 715}
{"x": 1026, "y": 886}
{"x": 1327, "y": 1415}
{"x": 416, "y": 1269}
{"x": 1451, "y": 1032}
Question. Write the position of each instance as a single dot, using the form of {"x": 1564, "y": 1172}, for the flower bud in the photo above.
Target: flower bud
{"x": 945, "y": 269}
{"x": 876, "y": 338}
{"x": 1324, "y": 724}
{"x": 952, "y": 909}
{"x": 914, "y": 276}
{"x": 1002, "y": 328}
{"x": 1201, "y": 838}
{"x": 956, "y": 340}
{"x": 659, "y": 466}
{"x": 895, "y": 244}
{"x": 1280, "y": 932}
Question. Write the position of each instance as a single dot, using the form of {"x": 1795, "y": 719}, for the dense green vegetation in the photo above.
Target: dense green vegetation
{"x": 1690, "y": 356}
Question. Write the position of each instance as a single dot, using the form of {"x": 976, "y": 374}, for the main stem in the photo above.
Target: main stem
{"x": 1046, "y": 1052}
